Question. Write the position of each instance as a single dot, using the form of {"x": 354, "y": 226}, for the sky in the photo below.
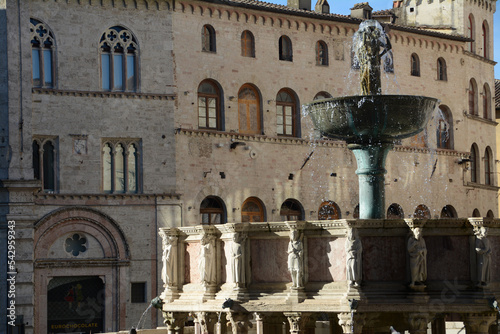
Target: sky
{"x": 344, "y": 8}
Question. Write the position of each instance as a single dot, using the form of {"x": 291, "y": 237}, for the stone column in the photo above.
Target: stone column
{"x": 204, "y": 322}
{"x": 239, "y": 322}
{"x": 259, "y": 322}
{"x": 418, "y": 322}
{"x": 351, "y": 323}
{"x": 478, "y": 323}
{"x": 297, "y": 321}
{"x": 175, "y": 321}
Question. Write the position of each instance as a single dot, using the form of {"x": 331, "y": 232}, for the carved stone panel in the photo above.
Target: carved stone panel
{"x": 448, "y": 258}
{"x": 393, "y": 252}
{"x": 269, "y": 260}
{"x": 326, "y": 259}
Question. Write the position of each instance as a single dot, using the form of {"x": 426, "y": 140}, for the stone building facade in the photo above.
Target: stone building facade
{"x": 123, "y": 117}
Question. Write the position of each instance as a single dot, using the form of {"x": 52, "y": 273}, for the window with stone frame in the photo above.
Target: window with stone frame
{"x": 119, "y": 53}
{"x": 208, "y": 39}
{"x": 442, "y": 74}
{"x": 121, "y": 165}
{"x": 247, "y": 44}
{"x": 422, "y": 212}
{"x": 249, "y": 115}
{"x": 209, "y": 105}
{"x": 415, "y": 65}
{"x": 474, "y": 164}
{"x": 328, "y": 210}
{"x": 488, "y": 166}
{"x": 45, "y": 157}
{"x": 486, "y": 101}
{"x": 252, "y": 211}
{"x": 444, "y": 131}
{"x": 42, "y": 55}
{"x": 291, "y": 209}
{"x": 321, "y": 96}
{"x": 212, "y": 211}
{"x": 321, "y": 53}
{"x": 486, "y": 39}
{"x": 448, "y": 211}
{"x": 473, "y": 97}
{"x": 285, "y": 48}
{"x": 286, "y": 113}
{"x": 471, "y": 31}
{"x": 395, "y": 211}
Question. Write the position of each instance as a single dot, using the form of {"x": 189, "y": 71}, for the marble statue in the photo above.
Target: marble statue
{"x": 354, "y": 251}
{"x": 237, "y": 260}
{"x": 295, "y": 259}
{"x": 207, "y": 260}
{"x": 169, "y": 257}
{"x": 418, "y": 257}
{"x": 483, "y": 256}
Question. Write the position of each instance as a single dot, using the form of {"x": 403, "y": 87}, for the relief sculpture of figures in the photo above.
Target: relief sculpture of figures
{"x": 354, "y": 251}
{"x": 295, "y": 259}
{"x": 207, "y": 260}
{"x": 483, "y": 256}
{"x": 169, "y": 243}
{"x": 418, "y": 258}
{"x": 237, "y": 260}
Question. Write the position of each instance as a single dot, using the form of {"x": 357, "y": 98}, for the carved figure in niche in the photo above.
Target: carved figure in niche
{"x": 483, "y": 256}
{"x": 295, "y": 259}
{"x": 418, "y": 257}
{"x": 354, "y": 251}
{"x": 169, "y": 243}
{"x": 237, "y": 260}
{"x": 207, "y": 260}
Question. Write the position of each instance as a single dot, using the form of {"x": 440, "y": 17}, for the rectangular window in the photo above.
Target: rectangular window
{"x": 105, "y": 70}
{"x": 118, "y": 72}
{"x": 131, "y": 72}
{"x": 47, "y": 67}
{"x": 35, "y": 58}
{"x": 138, "y": 292}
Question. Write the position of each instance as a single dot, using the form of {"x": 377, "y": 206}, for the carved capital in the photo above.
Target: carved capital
{"x": 239, "y": 322}
{"x": 174, "y": 321}
{"x": 352, "y": 323}
{"x": 298, "y": 321}
{"x": 418, "y": 322}
{"x": 206, "y": 321}
{"x": 478, "y": 323}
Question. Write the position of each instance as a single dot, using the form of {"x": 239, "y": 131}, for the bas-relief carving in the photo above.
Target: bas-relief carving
{"x": 326, "y": 259}
{"x": 354, "y": 250}
{"x": 265, "y": 268}
{"x": 206, "y": 264}
{"x": 296, "y": 259}
{"x": 483, "y": 256}
{"x": 417, "y": 251}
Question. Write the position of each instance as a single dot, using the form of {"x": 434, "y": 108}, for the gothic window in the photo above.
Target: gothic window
{"x": 441, "y": 70}
{"x": 42, "y": 55}
{"x": 285, "y": 48}
{"x": 476, "y": 213}
{"x": 249, "y": 116}
{"x": 208, "y": 38}
{"x": 321, "y": 53}
{"x": 328, "y": 210}
{"x": 119, "y": 60}
{"x": 488, "y": 166}
{"x": 486, "y": 101}
{"x": 322, "y": 95}
{"x": 291, "y": 210}
{"x": 448, "y": 212}
{"x": 486, "y": 38}
{"x": 212, "y": 211}
{"x": 286, "y": 110}
{"x": 121, "y": 165}
{"x": 474, "y": 164}
{"x": 444, "y": 128}
{"x": 45, "y": 162}
{"x": 490, "y": 214}
{"x": 415, "y": 65}
{"x": 209, "y": 106}
{"x": 247, "y": 44}
{"x": 422, "y": 212}
{"x": 470, "y": 34}
{"x": 473, "y": 97}
{"x": 252, "y": 211}
{"x": 395, "y": 211}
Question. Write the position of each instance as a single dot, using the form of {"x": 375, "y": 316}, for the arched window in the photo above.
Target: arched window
{"x": 473, "y": 97}
{"x": 120, "y": 168}
{"x": 395, "y": 211}
{"x": 42, "y": 55}
{"x": 490, "y": 214}
{"x": 488, "y": 166}
{"x": 212, "y": 211}
{"x": 247, "y": 44}
{"x": 44, "y": 162}
{"x": 415, "y": 65}
{"x": 486, "y": 102}
{"x": 321, "y": 53}
{"x": 322, "y": 95}
{"x": 252, "y": 211}
{"x": 476, "y": 213}
{"x": 422, "y": 212}
{"x": 208, "y": 38}
{"x": 471, "y": 32}
{"x": 209, "y": 105}
{"x": 119, "y": 60}
{"x": 444, "y": 131}
{"x": 486, "y": 40}
{"x": 448, "y": 212}
{"x": 328, "y": 210}
{"x": 441, "y": 70}
{"x": 286, "y": 113}
{"x": 285, "y": 48}
{"x": 291, "y": 210}
{"x": 474, "y": 164}
{"x": 249, "y": 115}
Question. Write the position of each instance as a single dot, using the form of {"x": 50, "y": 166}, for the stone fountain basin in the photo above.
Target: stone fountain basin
{"x": 371, "y": 119}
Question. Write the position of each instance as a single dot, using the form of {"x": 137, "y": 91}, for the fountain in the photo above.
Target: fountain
{"x": 370, "y": 123}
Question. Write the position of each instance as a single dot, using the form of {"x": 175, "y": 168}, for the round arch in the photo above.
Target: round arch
{"x": 448, "y": 211}
{"x": 291, "y": 209}
{"x": 253, "y": 211}
{"x": 422, "y": 212}
{"x": 329, "y": 210}
{"x": 395, "y": 211}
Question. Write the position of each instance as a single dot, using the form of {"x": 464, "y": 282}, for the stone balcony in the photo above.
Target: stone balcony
{"x": 364, "y": 274}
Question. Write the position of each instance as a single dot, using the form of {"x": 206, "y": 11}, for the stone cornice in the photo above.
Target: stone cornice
{"x": 478, "y": 57}
{"x": 99, "y": 199}
{"x": 480, "y": 119}
{"x": 103, "y": 94}
{"x": 482, "y": 186}
{"x": 68, "y": 263}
